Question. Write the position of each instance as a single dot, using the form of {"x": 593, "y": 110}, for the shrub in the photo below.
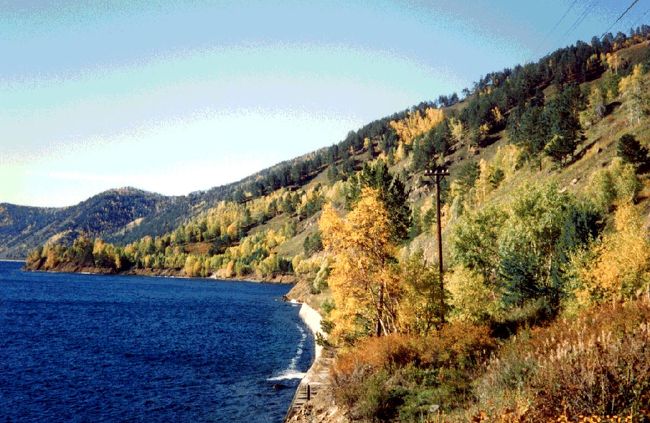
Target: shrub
{"x": 617, "y": 184}
{"x": 409, "y": 375}
{"x": 471, "y": 299}
{"x": 597, "y": 364}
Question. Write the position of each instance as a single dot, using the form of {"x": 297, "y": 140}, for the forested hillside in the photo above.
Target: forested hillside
{"x": 532, "y": 113}
{"x": 544, "y": 307}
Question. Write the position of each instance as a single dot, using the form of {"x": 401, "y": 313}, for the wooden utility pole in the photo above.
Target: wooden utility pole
{"x": 438, "y": 173}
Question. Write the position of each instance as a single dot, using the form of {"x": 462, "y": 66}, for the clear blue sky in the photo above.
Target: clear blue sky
{"x": 179, "y": 96}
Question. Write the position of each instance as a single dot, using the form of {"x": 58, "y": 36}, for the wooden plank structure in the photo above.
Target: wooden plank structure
{"x": 304, "y": 393}
{"x": 312, "y": 384}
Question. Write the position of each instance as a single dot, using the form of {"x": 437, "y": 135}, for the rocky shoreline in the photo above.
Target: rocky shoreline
{"x": 170, "y": 273}
{"x": 317, "y": 406}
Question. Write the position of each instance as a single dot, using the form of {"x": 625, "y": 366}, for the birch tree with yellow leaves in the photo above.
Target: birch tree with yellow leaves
{"x": 417, "y": 123}
{"x": 363, "y": 285}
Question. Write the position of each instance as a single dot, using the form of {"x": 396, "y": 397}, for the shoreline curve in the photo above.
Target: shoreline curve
{"x": 312, "y": 320}
{"x": 317, "y": 374}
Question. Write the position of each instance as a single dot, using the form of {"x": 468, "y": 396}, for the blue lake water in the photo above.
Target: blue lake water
{"x": 127, "y": 348}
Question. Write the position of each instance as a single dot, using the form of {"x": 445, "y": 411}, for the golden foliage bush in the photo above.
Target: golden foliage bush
{"x": 457, "y": 129}
{"x": 595, "y": 365}
{"x": 508, "y": 159}
{"x": 618, "y": 265}
{"x": 401, "y": 376}
{"x": 376, "y": 353}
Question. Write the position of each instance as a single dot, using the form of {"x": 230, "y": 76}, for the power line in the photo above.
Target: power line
{"x": 580, "y": 18}
{"x": 619, "y": 18}
{"x": 638, "y": 21}
{"x": 557, "y": 24}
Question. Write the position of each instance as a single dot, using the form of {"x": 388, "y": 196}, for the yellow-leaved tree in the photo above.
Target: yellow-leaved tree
{"x": 636, "y": 91}
{"x": 618, "y": 267}
{"x": 419, "y": 306}
{"x": 471, "y": 299}
{"x": 417, "y": 123}
{"x": 596, "y": 102}
{"x": 457, "y": 129}
{"x": 363, "y": 286}
{"x": 614, "y": 61}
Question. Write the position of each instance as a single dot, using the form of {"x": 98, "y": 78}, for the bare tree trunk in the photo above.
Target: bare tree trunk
{"x": 380, "y": 307}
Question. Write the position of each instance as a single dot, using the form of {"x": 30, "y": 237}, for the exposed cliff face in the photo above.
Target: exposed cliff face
{"x": 301, "y": 292}
{"x": 77, "y": 268}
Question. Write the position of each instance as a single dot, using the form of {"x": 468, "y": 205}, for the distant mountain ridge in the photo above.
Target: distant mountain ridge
{"x": 115, "y": 214}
